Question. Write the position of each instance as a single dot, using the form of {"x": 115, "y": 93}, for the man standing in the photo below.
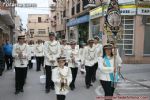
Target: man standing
{"x": 39, "y": 53}
{"x": 8, "y": 54}
{"x": 31, "y": 53}
{"x": 20, "y": 54}
{"x": 52, "y": 51}
{"x": 89, "y": 59}
{"x": 73, "y": 62}
{"x": 99, "y": 50}
{"x": 2, "y": 62}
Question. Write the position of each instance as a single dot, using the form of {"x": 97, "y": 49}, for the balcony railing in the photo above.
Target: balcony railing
{"x": 88, "y": 4}
{"x": 78, "y": 8}
{"x": 46, "y": 21}
{"x": 53, "y": 7}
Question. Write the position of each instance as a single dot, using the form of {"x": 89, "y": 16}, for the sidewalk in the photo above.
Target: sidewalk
{"x": 137, "y": 72}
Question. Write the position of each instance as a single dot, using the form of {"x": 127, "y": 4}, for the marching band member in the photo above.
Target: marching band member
{"x": 61, "y": 77}
{"x": 107, "y": 70}
{"x": 73, "y": 61}
{"x": 52, "y": 51}
{"x": 39, "y": 53}
{"x": 64, "y": 48}
{"x": 31, "y": 54}
{"x": 89, "y": 58}
{"x": 99, "y": 50}
{"x": 81, "y": 50}
{"x": 20, "y": 54}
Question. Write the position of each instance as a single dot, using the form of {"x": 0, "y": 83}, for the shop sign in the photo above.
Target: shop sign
{"x": 96, "y": 13}
{"x": 125, "y": 10}
{"x": 143, "y": 10}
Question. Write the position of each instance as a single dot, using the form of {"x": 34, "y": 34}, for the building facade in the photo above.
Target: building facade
{"x": 85, "y": 19}
{"x": 134, "y": 44}
{"x": 18, "y": 28}
{"x": 38, "y": 27}
{"x": 7, "y": 25}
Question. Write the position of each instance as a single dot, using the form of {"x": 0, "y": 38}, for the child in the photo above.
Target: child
{"x": 62, "y": 78}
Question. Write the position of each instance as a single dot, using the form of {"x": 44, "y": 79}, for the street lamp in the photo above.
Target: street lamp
{"x": 113, "y": 25}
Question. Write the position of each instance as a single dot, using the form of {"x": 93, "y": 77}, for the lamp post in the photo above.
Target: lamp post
{"x": 112, "y": 25}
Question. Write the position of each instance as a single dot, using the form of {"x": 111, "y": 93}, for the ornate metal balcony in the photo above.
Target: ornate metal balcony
{"x": 89, "y": 4}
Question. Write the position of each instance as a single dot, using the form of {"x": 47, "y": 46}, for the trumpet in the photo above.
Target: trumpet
{"x": 18, "y": 50}
{"x": 63, "y": 84}
{"x": 72, "y": 58}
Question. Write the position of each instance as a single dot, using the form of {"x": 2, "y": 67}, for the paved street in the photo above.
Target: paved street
{"x": 33, "y": 90}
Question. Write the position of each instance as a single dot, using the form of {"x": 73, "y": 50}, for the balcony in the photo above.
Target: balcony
{"x": 34, "y": 21}
{"x": 54, "y": 0}
{"x": 6, "y": 16}
{"x": 53, "y": 7}
{"x": 88, "y": 4}
{"x": 78, "y": 7}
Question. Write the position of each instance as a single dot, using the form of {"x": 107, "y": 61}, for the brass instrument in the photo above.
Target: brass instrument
{"x": 19, "y": 52}
{"x": 64, "y": 85}
{"x": 72, "y": 58}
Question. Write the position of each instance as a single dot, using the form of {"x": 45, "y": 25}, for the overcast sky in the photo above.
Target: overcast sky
{"x": 42, "y": 9}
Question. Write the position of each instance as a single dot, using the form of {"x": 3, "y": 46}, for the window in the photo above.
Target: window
{"x": 41, "y": 31}
{"x": 146, "y": 38}
{"x": 127, "y": 43}
{"x": 39, "y": 19}
{"x": 31, "y": 33}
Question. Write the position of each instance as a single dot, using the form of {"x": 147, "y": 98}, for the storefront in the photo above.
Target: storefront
{"x": 78, "y": 29}
{"x": 133, "y": 46}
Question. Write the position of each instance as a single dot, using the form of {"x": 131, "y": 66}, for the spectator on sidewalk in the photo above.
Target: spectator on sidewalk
{"x": 2, "y": 62}
{"x": 8, "y": 54}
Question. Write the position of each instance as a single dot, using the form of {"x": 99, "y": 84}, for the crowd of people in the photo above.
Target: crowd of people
{"x": 61, "y": 61}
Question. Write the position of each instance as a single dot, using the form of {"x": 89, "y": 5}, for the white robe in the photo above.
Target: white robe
{"x": 52, "y": 51}
{"x": 89, "y": 56}
{"x": 73, "y": 53}
{"x": 56, "y": 78}
{"x": 39, "y": 50}
{"x": 105, "y": 71}
{"x": 25, "y": 52}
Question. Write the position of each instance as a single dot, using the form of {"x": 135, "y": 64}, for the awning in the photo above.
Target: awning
{"x": 79, "y": 20}
{"x": 6, "y": 17}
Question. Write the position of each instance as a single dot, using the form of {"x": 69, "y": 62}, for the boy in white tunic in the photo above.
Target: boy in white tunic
{"x": 99, "y": 50}
{"x": 39, "y": 53}
{"x": 89, "y": 59}
{"x": 20, "y": 54}
{"x": 73, "y": 61}
{"x": 52, "y": 51}
{"x": 61, "y": 77}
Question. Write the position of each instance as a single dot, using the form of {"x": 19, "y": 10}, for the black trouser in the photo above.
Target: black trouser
{"x": 89, "y": 73}
{"x": 30, "y": 64}
{"x": 39, "y": 63}
{"x": 108, "y": 89}
{"x": 9, "y": 61}
{"x": 74, "y": 75}
{"x": 20, "y": 79}
{"x": 43, "y": 61}
{"x": 94, "y": 72}
{"x": 61, "y": 97}
{"x": 49, "y": 82}
{"x": 1, "y": 71}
